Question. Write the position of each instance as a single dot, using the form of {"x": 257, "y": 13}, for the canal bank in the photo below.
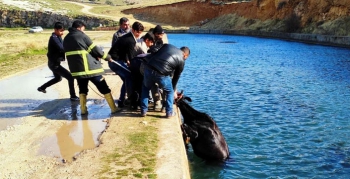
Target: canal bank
{"x": 328, "y": 40}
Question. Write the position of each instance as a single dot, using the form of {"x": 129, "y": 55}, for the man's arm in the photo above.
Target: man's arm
{"x": 177, "y": 74}
{"x": 57, "y": 43}
{"x": 114, "y": 38}
{"x": 96, "y": 51}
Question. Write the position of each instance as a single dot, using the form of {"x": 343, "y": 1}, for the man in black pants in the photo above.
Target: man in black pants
{"x": 55, "y": 55}
{"x": 83, "y": 60}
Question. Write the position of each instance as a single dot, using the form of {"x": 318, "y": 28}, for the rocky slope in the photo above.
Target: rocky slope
{"x": 329, "y": 17}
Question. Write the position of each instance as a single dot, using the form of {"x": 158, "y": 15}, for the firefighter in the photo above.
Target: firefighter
{"x": 83, "y": 61}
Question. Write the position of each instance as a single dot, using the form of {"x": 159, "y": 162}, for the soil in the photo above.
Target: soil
{"x": 43, "y": 135}
{"x": 24, "y": 155}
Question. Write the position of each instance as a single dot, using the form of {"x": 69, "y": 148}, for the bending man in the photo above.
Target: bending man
{"x": 159, "y": 67}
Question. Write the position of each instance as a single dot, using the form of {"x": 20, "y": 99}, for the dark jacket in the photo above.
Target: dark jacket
{"x": 156, "y": 46}
{"x": 83, "y": 55}
{"x": 55, "y": 52}
{"x": 118, "y": 34}
{"x": 167, "y": 60}
{"x": 124, "y": 49}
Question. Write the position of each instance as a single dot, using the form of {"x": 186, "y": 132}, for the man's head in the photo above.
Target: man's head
{"x": 148, "y": 38}
{"x": 158, "y": 32}
{"x": 137, "y": 29}
{"x": 186, "y": 52}
{"x": 124, "y": 23}
{"x": 58, "y": 29}
{"x": 80, "y": 25}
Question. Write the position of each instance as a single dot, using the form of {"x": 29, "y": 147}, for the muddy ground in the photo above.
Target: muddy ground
{"x": 44, "y": 136}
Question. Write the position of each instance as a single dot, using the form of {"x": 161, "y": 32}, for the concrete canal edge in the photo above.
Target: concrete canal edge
{"x": 172, "y": 155}
{"x": 328, "y": 40}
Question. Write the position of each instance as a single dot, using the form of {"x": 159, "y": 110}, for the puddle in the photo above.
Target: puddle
{"x": 15, "y": 102}
{"x": 78, "y": 133}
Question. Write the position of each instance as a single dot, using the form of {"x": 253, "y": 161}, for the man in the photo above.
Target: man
{"x": 158, "y": 33}
{"x": 55, "y": 55}
{"x": 159, "y": 67}
{"x": 142, "y": 47}
{"x": 83, "y": 61}
{"x": 123, "y": 29}
{"x": 122, "y": 52}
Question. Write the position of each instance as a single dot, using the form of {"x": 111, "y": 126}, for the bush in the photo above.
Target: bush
{"x": 108, "y": 2}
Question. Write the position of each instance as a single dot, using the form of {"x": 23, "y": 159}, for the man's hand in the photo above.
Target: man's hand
{"x": 175, "y": 94}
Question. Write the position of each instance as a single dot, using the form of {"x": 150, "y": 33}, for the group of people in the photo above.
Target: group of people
{"x": 142, "y": 62}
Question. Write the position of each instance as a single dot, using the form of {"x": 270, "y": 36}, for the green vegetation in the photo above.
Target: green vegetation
{"x": 138, "y": 158}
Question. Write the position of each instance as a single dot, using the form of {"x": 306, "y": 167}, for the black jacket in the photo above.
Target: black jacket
{"x": 83, "y": 55}
{"x": 167, "y": 60}
{"x": 156, "y": 46}
{"x": 55, "y": 52}
{"x": 118, "y": 34}
{"x": 124, "y": 49}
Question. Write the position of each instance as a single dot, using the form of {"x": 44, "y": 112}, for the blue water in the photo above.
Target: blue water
{"x": 282, "y": 106}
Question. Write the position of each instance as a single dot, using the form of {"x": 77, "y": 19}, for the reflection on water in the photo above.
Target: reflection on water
{"x": 77, "y": 133}
{"x": 70, "y": 131}
{"x": 283, "y": 107}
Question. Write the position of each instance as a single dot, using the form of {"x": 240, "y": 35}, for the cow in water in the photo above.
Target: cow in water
{"x": 202, "y": 132}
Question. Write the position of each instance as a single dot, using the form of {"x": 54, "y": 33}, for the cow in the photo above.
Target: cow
{"x": 201, "y": 131}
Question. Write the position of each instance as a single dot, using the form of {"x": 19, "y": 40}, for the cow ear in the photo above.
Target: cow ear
{"x": 187, "y": 98}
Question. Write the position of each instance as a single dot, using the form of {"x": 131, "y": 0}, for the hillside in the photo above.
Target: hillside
{"x": 327, "y": 17}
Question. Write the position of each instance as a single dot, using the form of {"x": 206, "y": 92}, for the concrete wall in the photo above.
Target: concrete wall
{"x": 330, "y": 40}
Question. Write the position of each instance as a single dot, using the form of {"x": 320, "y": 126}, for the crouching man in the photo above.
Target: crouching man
{"x": 159, "y": 67}
{"x": 83, "y": 61}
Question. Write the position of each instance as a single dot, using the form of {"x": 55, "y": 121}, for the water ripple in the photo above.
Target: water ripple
{"x": 282, "y": 106}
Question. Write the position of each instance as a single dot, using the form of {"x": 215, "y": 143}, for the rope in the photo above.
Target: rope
{"x": 121, "y": 66}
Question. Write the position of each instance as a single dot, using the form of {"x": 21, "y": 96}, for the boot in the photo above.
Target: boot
{"x": 83, "y": 108}
{"x": 111, "y": 104}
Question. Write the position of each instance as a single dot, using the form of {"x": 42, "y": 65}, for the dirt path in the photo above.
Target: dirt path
{"x": 86, "y": 9}
{"x": 43, "y": 135}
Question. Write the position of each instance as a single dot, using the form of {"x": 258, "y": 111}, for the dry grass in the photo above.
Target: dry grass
{"x": 21, "y": 50}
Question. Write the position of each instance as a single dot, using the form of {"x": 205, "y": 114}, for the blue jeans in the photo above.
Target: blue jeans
{"x": 124, "y": 75}
{"x": 149, "y": 79}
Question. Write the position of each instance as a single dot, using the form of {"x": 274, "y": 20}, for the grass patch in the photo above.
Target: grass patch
{"x": 20, "y": 50}
{"x": 138, "y": 157}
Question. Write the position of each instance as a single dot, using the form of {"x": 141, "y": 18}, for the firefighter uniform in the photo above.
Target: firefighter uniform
{"x": 83, "y": 61}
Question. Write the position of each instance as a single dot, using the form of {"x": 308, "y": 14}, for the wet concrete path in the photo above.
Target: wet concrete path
{"x": 20, "y": 101}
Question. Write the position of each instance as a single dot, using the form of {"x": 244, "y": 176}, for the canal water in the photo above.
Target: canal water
{"x": 282, "y": 106}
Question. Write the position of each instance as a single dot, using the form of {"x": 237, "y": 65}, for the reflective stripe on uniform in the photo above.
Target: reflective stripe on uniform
{"x": 91, "y": 47}
{"x": 84, "y": 53}
{"x": 88, "y": 72}
{"x": 104, "y": 56}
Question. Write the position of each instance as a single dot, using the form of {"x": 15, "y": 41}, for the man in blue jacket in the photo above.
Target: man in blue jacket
{"x": 124, "y": 28}
{"x": 160, "y": 66}
{"x": 55, "y": 54}
{"x": 83, "y": 60}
